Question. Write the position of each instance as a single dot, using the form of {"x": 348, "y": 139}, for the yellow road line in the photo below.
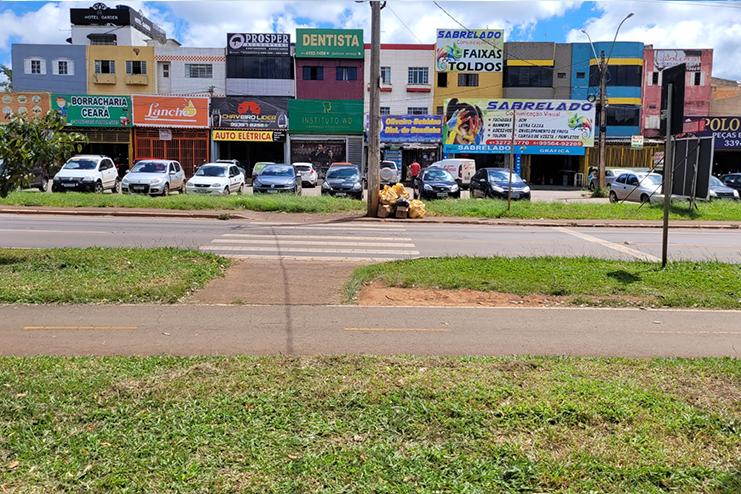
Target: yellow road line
{"x": 26, "y": 328}
{"x": 397, "y": 329}
{"x": 694, "y": 332}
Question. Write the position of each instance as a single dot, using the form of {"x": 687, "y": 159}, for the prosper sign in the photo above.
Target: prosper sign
{"x": 475, "y": 50}
{"x": 542, "y": 126}
{"x": 94, "y": 111}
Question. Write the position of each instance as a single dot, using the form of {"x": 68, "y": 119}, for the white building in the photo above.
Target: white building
{"x": 406, "y": 79}
{"x": 184, "y": 70}
{"x": 122, "y": 26}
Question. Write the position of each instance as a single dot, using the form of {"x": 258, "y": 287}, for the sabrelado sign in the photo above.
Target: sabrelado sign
{"x": 469, "y": 50}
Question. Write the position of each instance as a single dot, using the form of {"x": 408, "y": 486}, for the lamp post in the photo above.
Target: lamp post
{"x": 602, "y": 66}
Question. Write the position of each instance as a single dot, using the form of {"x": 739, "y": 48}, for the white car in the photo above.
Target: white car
{"x": 636, "y": 187}
{"x": 308, "y": 174}
{"x": 154, "y": 177}
{"x": 87, "y": 173}
{"x": 390, "y": 173}
{"x": 216, "y": 178}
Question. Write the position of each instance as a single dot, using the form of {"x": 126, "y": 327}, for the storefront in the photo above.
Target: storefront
{"x": 105, "y": 120}
{"x": 172, "y": 127}
{"x": 409, "y": 138}
{"x": 550, "y": 136}
{"x": 326, "y": 131}
{"x": 726, "y": 133}
{"x": 249, "y": 129}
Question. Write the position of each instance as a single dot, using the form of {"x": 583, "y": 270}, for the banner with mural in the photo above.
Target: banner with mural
{"x": 411, "y": 128}
{"x": 80, "y": 110}
{"x": 469, "y": 50}
{"x": 36, "y": 104}
{"x": 248, "y": 113}
{"x": 170, "y": 111}
{"x": 542, "y": 126}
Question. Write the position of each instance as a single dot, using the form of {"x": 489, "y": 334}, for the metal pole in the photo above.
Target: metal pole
{"x": 511, "y": 158}
{"x": 668, "y": 166}
{"x": 602, "y": 119}
{"x": 374, "y": 117}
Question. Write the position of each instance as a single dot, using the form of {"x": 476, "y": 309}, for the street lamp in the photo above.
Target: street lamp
{"x": 603, "y": 99}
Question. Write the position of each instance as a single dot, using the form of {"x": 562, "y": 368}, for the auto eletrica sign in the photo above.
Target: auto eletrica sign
{"x": 93, "y": 111}
{"x": 469, "y": 50}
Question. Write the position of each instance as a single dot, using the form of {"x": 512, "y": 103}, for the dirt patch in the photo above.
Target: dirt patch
{"x": 377, "y": 294}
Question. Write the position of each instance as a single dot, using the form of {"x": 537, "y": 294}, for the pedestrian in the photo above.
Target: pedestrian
{"x": 414, "y": 171}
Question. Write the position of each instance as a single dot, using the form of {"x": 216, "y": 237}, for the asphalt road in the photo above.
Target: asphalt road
{"x": 364, "y": 241}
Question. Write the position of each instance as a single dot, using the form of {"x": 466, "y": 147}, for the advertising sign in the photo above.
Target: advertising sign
{"x": 411, "y": 128}
{"x": 542, "y": 126}
{"x": 100, "y": 15}
{"x": 262, "y": 44}
{"x": 663, "y": 59}
{"x": 329, "y": 43}
{"x": 165, "y": 134}
{"x": 636, "y": 142}
{"x": 316, "y": 116}
{"x": 249, "y": 135}
{"x": 725, "y": 131}
{"x": 241, "y": 112}
{"x": 474, "y": 50}
{"x": 170, "y": 111}
{"x": 36, "y": 104}
{"x": 80, "y": 110}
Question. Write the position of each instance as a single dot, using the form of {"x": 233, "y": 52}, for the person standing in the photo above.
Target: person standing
{"x": 414, "y": 171}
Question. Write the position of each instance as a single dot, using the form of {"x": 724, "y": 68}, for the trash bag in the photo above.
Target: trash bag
{"x": 402, "y": 202}
{"x": 417, "y": 209}
{"x": 401, "y": 191}
{"x": 387, "y": 196}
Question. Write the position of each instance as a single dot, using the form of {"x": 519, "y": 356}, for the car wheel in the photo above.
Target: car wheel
{"x": 240, "y": 190}
{"x": 166, "y": 190}
{"x": 44, "y": 186}
{"x": 644, "y": 198}
{"x": 226, "y": 190}
{"x": 613, "y": 196}
{"x": 99, "y": 187}
{"x": 116, "y": 187}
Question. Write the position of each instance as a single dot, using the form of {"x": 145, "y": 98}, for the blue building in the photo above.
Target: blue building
{"x": 624, "y": 80}
{"x": 52, "y": 68}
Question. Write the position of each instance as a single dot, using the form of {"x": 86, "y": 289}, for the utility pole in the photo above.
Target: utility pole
{"x": 511, "y": 157}
{"x": 374, "y": 116}
{"x": 602, "y": 118}
{"x": 668, "y": 169}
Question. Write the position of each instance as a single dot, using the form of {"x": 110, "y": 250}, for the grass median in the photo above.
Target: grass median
{"x": 580, "y": 281}
{"x": 112, "y": 275}
{"x": 370, "y": 424}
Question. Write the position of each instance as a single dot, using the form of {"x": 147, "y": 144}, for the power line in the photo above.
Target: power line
{"x": 402, "y": 22}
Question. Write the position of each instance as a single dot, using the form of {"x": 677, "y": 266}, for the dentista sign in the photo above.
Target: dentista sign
{"x": 329, "y": 43}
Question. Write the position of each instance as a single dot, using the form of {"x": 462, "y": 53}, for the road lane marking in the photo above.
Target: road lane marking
{"x": 311, "y": 259}
{"x": 385, "y": 228}
{"x": 26, "y": 328}
{"x": 308, "y": 250}
{"x": 692, "y": 332}
{"x": 311, "y": 242}
{"x": 439, "y": 330}
{"x": 346, "y": 237}
{"x": 610, "y": 245}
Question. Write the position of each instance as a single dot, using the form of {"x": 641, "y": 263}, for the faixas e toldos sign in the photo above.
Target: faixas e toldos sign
{"x": 170, "y": 111}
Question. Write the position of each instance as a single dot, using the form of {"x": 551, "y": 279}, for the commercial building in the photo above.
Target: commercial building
{"x": 120, "y": 70}
{"x": 188, "y": 70}
{"x": 49, "y": 68}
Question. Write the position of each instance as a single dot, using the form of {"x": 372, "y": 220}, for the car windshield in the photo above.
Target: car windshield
{"x": 302, "y": 168}
{"x": 149, "y": 167}
{"x": 277, "y": 171}
{"x": 715, "y": 182}
{"x": 651, "y": 179}
{"x": 343, "y": 173}
{"x": 80, "y": 165}
{"x": 211, "y": 171}
{"x": 504, "y": 177}
{"x": 437, "y": 174}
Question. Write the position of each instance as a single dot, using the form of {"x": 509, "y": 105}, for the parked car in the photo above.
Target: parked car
{"x": 718, "y": 190}
{"x": 636, "y": 187}
{"x": 39, "y": 178}
{"x": 732, "y": 180}
{"x": 154, "y": 177}
{"x": 436, "y": 183}
{"x": 343, "y": 180}
{"x": 610, "y": 175}
{"x": 462, "y": 169}
{"x": 87, "y": 173}
{"x": 235, "y": 163}
{"x": 493, "y": 183}
{"x": 216, "y": 178}
{"x": 259, "y": 167}
{"x": 309, "y": 176}
{"x": 390, "y": 173}
{"x": 277, "y": 178}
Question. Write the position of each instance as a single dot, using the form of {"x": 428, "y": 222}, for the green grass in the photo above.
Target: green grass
{"x": 269, "y": 202}
{"x": 96, "y": 275}
{"x": 709, "y": 284}
{"x": 370, "y": 424}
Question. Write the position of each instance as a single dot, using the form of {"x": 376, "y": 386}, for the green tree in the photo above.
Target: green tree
{"x": 7, "y": 84}
{"x": 28, "y": 142}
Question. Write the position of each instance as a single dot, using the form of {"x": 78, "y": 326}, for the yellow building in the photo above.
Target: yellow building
{"x": 466, "y": 85}
{"x": 121, "y": 70}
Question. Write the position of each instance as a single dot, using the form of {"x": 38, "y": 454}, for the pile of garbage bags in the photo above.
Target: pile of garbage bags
{"x": 394, "y": 201}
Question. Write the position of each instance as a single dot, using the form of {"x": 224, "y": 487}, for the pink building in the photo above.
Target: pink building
{"x": 697, "y": 92}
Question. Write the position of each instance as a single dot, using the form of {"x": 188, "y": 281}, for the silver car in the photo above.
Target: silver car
{"x": 154, "y": 177}
{"x": 636, "y": 187}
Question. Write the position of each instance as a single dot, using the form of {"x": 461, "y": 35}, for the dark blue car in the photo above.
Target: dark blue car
{"x": 277, "y": 178}
{"x": 493, "y": 183}
{"x": 436, "y": 183}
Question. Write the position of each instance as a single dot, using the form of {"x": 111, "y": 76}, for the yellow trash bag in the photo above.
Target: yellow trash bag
{"x": 401, "y": 191}
{"x": 417, "y": 209}
{"x": 387, "y": 196}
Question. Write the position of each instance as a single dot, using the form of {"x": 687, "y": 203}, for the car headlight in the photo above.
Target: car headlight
{"x": 713, "y": 193}
{"x": 125, "y": 181}
{"x": 454, "y": 188}
{"x": 56, "y": 178}
{"x": 526, "y": 189}
{"x": 497, "y": 188}
{"x": 427, "y": 187}
{"x": 217, "y": 185}
{"x": 325, "y": 185}
{"x": 356, "y": 186}
{"x": 88, "y": 179}
{"x": 735, "y": 194}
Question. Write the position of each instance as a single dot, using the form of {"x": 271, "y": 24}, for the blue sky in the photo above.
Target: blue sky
{"x": 663, "y": 23}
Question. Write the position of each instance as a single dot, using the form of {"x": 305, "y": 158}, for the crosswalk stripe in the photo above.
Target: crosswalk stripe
{"x": 355, "y": 228}
{"x": 308, "y": 258}
{"x": 328, "y": 237}
{"x": 311, "y": 242}
{"x": 324, "y": 225}
{"x": 312, "y": 250}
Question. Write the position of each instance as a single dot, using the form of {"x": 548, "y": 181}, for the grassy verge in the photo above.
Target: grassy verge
{"x": 276, "y": 203}
{"x": 590, "y": 281}
{"x": 94, "y": 275}
{"x": 369, "y": 424}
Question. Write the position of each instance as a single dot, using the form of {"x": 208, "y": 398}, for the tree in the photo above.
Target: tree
{"x": 29, "y": 142}
{"x": 7, "y": 84}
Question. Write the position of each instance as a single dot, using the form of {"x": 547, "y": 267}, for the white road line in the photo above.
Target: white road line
{"x": 384, "y": 228}
{"x": 346, "y": 237}
{"x": 324, "y": 225}
{"x": 289, "y": 249}
{"x": 610, "y": 245}
{"x": 309, "y": 258}
{"x": 275, "y": 241}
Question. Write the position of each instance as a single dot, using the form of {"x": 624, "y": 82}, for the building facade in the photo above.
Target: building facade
{"x": 122, "y": 25}
{"x": 186, "y": 70}
{"x": 49, "y": 68}
{"x": 404, "y": 68}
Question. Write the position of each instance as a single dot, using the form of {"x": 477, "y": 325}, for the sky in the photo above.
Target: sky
{"x": 662, "y": 23}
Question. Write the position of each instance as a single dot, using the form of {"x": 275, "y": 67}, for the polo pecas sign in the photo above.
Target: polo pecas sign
{"x": 170, "y": 111}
